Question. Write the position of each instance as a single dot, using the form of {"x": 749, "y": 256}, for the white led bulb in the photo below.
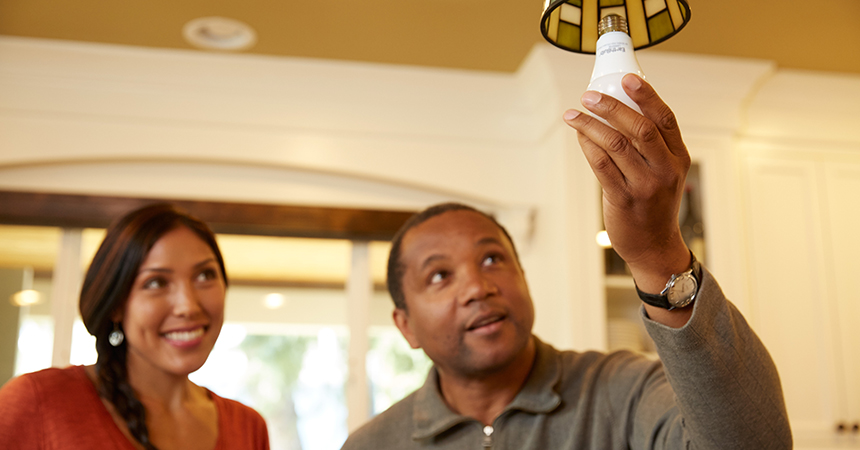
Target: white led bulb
{"x": 614, "y": 58}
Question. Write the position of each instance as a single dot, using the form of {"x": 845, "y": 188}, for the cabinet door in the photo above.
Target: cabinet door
{"x": 843, "y": 214}
{"x": 788, "y": 286}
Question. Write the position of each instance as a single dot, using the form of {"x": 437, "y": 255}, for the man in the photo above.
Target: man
{"x": 460, "y": 294}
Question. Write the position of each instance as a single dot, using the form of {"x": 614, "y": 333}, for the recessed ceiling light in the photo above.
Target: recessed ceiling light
{"x": 26, "y": 297}
{"x": 219, "y": 33}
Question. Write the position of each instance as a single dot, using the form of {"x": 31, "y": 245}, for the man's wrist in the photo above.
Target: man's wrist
{"x": 680, "y": 290}
{"x": 652, "y": 278}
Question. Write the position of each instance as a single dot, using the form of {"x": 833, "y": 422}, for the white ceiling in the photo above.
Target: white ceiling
{"x": 821, "y": 35}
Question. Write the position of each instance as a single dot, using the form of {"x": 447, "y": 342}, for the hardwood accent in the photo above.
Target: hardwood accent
{"x": 91, "y": 211}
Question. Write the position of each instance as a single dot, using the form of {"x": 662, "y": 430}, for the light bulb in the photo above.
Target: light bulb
{"x": 26, "y": 297}
{"x": 274, "y": 300}
{"x": 614, "y": 58}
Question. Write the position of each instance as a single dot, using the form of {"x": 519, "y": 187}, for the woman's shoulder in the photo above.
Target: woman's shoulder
{"x": 48, "y": 381}
{"x": 239, "y": 425}
{"x": 229, "y": 407}
{"x": 54, "y": 405}
{"x": 71, "y": 373}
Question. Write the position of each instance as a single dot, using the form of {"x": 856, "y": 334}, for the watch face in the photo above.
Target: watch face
{"x": 682, "y": 291}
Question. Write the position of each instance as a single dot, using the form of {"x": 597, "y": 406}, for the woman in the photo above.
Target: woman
{"x": 154, "y": 299}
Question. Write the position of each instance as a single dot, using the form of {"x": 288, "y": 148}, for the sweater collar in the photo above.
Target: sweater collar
{"x": 432, "y": 416}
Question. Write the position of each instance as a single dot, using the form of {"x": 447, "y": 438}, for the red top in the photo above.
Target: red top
{"x": 60, "y": 409}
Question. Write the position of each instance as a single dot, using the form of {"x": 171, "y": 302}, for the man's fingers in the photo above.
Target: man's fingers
{"x": 657, "y": 111}
{"x": 644, "y": 137}
{"x": 604, "y": 168}
{"x": 614, "y": 143}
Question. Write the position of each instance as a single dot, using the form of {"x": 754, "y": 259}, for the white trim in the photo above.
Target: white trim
{"x": 65, "y": 295}
{"x": 359, "y": 291}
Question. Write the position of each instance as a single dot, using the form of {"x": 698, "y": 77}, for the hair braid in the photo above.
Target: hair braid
{"x": 114, "y": 386}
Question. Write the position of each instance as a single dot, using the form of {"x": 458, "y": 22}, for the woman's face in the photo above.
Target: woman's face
{"x": 175, "y": 310}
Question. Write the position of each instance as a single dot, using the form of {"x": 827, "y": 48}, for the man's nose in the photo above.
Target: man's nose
{"x": 477, "y": 285}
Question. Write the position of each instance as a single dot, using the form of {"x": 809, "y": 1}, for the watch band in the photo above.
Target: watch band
{"x": 661, "y": 300}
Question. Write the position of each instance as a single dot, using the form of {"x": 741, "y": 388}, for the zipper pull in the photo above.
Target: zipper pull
{"x": 488, "y": 437}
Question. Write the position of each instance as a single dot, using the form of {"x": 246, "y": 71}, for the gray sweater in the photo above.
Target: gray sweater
{"x": 715, "y": 388}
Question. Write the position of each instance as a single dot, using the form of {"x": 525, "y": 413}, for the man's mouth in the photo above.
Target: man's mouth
{"x": 485, "y": 321}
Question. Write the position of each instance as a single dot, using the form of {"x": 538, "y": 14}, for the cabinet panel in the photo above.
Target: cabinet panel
{"x": 788, "y": 286}
{"x": 843, "y": 215}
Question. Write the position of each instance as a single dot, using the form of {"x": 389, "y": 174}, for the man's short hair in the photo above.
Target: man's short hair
{"x": 396, "y": 269}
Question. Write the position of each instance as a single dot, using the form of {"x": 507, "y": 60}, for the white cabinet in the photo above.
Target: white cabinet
{"x": 843, "y": 213}
{"x": 803, "y": 242}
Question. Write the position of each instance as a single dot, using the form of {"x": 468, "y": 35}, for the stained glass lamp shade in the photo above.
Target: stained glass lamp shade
{"x": 572, "y": 24}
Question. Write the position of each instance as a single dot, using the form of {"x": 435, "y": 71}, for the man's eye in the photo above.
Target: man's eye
{"x": 438, "y": 277}
{"x": 491, "y": 259}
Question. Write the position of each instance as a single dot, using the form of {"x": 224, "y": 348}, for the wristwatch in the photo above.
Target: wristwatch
{"x": 680, "y": 290}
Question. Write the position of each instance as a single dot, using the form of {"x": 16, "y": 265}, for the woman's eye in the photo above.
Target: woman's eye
{"x": 206, "y": 275}
{"x": 155, "y": 283}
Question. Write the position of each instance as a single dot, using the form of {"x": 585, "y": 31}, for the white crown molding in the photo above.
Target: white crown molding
{"x": 449, "y": 132}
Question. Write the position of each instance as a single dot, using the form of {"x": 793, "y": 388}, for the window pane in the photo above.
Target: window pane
{"x": 394, "y": 368}
{"x": 296, "y": 379}
{"x": 286, "y": 359}
{"x": 35, "y": 343}
{"x": 83, "y": 345}
{"x": 27, "y": 256}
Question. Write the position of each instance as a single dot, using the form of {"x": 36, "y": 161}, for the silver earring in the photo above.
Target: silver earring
{"x": 116, "y": 336}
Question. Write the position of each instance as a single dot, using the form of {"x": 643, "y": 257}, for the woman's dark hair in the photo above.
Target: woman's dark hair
{"x": 394, "y": 277}
{"x": 107, "y": 286}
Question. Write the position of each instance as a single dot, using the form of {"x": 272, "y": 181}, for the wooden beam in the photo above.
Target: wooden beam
{"x": 91, "y": 211}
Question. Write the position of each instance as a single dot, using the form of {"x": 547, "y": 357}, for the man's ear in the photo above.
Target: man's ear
{"x": 401, "y": 319}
